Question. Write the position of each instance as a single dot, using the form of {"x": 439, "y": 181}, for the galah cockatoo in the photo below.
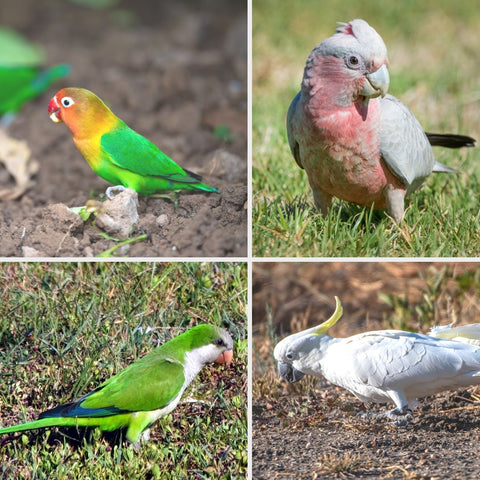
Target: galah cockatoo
{"x": 380, "y": 366}
{"x": 354, "y": 141}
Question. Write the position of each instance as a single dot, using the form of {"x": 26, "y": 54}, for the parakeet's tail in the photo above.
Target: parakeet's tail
{"x": 450, "y": 140}
{"x": 46, "y": 422}
{"x": 200, "y": 186}
{"x": 189, "y": 181}
{"x": 47, "y": 77}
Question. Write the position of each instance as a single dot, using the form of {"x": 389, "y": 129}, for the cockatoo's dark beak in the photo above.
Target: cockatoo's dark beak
{"x": 289, "y": 373}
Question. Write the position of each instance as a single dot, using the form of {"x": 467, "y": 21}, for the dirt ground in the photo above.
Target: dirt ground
{"x": 173, "y": 71}
{"x": 312, "y": 429}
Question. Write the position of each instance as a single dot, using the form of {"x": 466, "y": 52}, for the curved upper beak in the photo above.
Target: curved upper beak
{"x": 54, "y": 110}
{"x": 226, "y": 357}
{"x": 289, "y": 373}
{"x": 376, "y": 83}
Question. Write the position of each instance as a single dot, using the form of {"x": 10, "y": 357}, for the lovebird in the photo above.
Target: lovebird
{"x": 146, "y": 390}
{"x": 114, "y": 151}
{"x": 22, "y": 76}
{"x": 355, "y": 141}
{"x": 383, "y": 365}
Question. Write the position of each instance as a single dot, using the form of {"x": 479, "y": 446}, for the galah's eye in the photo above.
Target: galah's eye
{"x": 67, "y": 102}
{"x": 353, "y": 61}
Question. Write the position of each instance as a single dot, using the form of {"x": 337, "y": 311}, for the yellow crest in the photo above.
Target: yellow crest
{"x": 321, "y": 329}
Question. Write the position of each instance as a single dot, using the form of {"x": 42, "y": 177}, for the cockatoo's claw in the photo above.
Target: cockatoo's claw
{"x": 399, "y": 417}
{"x": 110, "y": 192}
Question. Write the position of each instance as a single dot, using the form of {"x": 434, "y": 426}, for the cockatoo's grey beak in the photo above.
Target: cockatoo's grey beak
{"x": 289, "y": 373}
{"x": 377, "y": 83}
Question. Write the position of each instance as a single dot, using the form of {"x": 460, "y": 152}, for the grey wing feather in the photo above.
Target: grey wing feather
{"x": 403, "y": 144}
{"x": 402, "y": 357}
{"x": 294, "y": 147}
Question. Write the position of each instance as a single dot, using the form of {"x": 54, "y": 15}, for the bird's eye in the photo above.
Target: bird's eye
{"x": 289, "y": 355}
{"x": 67, "y": 102}
{"x": 219, "y": 342}
{"x": 353, "y": 61}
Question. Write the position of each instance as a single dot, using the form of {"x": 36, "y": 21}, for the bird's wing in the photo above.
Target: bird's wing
{"x": 127, "y": 149}
{"x": 292, "y": 141}
{"x": 390, "y": 358}
{"x": 143, "y": 386}
{"x": 403, "y": 144}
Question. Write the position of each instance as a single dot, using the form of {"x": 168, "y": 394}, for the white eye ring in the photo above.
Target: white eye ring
{"x": 67, "y": 102}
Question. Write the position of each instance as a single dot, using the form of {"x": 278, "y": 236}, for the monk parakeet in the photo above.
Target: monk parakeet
{"x": 114, "y": 151}
{"x": 146, "y": 390}
{"x": 380, "y": 366}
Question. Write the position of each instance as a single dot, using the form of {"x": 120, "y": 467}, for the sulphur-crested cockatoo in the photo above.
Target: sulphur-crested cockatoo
{"x": 380, "y": 366}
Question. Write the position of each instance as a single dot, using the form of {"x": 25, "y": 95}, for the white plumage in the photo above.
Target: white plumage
{"x": 381, "y": 366}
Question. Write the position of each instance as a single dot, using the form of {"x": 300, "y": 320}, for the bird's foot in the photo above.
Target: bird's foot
{"x": 400, "y": 417}
{"x": 111, "y": 192}
{"x": 172, "y": 196}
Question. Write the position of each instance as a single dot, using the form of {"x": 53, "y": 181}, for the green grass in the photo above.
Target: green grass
{"x": 436, "y": 79}
{"x": 67, "y": 327}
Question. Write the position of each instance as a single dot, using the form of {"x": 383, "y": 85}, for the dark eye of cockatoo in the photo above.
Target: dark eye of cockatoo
{"x": 353, "y": 61}
{"x": 289, "y": 355}
{"x": 67, "y": 102}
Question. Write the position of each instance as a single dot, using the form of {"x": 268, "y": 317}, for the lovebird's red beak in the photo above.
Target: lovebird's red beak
{"x": 54, "y": 110}
{"x": 226, "y": 357}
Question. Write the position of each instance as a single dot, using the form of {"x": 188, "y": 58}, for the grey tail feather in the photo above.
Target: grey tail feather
{"x": 440, "y": 167}
{"x": 450, "y": 140}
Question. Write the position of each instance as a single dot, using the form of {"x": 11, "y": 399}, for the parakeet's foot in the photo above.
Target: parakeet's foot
{"x": 111, "y": 192}
{"x": 172, "y": 196}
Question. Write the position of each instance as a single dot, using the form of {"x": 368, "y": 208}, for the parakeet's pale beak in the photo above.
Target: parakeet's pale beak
{"x": 54, "y": 110}
{"x": 225, "y": 358}
{"x": 376, "y": 83}
{"x": 289, "y": 373}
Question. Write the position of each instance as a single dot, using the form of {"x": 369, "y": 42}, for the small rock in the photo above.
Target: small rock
{"x": 226, "y": 165}
{"x": 163, "y": 220}
{"x": 31, "y": 252}
{"x": 119, "y": 215}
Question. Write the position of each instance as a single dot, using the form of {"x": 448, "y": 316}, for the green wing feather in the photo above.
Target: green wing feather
{"x": 129, "y": 150}
{"x": 159, "y": 382}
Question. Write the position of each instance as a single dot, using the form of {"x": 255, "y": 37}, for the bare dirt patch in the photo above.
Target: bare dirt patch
{"x": 311, "y": 429}
{"x": 173, "y": 71}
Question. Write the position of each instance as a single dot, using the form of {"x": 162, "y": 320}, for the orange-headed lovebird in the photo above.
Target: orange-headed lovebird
{"x": 114, "y": 151}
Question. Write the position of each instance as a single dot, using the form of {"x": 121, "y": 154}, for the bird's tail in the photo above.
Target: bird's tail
{"x": 50, "y": 422}
{"x": 450, "y": 140}
{"x": 191, "y": 181}
{"x": 440, "y": 167}
{"x": 463, "y": 333}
